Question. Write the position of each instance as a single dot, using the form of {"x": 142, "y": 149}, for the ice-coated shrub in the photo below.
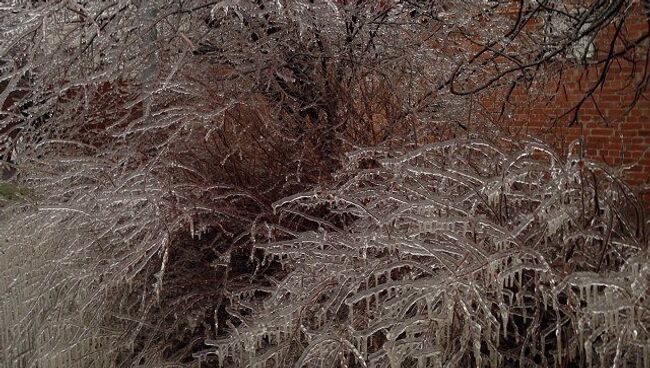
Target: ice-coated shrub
{"x": 458, "y": 253}
{"x": 146, "y": 142}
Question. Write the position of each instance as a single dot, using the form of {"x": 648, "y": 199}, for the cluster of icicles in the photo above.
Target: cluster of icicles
{"x": 435, "y": 271}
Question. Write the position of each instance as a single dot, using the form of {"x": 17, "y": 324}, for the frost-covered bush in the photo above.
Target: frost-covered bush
{"x": 147, "y": 141}
{"x": 459, "y": 253}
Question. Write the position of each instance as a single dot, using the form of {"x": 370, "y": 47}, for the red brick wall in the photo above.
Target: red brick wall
{"x": 609, "y": 132}
{"x": 612, "y": 130}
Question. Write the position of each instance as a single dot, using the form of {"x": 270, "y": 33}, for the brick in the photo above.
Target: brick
{"x": 601, "y": 132}
{"x": 626, "y": 137}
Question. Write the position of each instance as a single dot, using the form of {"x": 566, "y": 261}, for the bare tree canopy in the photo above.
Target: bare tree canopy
{"x": 542, "y": 41}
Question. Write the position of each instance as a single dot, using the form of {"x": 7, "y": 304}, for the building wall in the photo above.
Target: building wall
{"x": 614, "y": 128}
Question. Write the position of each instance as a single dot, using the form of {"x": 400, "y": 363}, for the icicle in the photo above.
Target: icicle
{"x": 558, "y": 337}
{"x": 581, "y": 334}
{"x": 220, "y": 357}
{"x": 588, "y": 353}
{"x": 477, "y": 352}
{"x": 582, "y": 292}
{"x": 504, "y": 318}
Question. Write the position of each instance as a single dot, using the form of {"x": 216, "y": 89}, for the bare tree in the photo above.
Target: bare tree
{"x": 545, "y": 40}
